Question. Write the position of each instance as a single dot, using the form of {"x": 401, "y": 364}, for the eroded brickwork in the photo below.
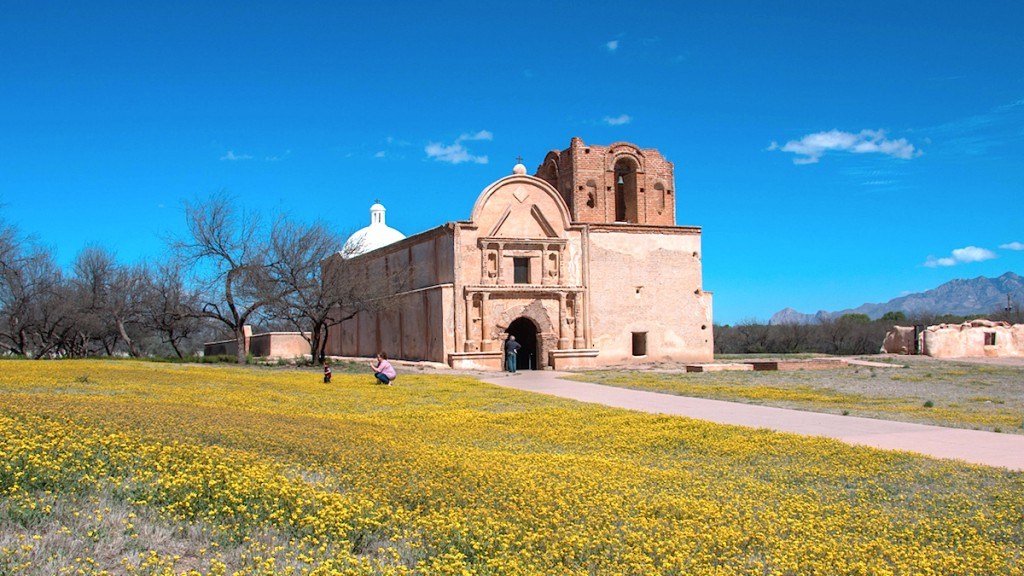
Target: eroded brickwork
{"x": 616, "y": 183}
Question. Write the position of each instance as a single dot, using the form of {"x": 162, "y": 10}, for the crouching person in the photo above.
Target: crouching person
{"x": 383, "y": 369}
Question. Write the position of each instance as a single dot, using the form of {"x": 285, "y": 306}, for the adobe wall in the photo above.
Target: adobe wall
{"x": 646, "y": 280}
{"x": 419, "y": 261}
{"x": 414, "y": 321}
{"x": 415, "y": 326}
{"x": 978, "y": 338}
{"x": 279, "y": 345}
{"x": 228, "y": 347}
{"x": 221, "y": 348}
{"x": 900, "y": 340}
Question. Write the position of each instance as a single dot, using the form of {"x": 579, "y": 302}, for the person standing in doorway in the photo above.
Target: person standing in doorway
{"x": 511, "y": 349}
{"x": 383, "y": 369}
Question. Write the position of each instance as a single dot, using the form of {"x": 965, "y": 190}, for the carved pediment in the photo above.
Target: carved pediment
{"x": 522, "y": 222}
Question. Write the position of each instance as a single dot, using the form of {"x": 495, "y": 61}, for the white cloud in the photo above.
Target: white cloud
{"x": 964, "y": 255}
{"x": 618, "y": 120}
{"x": 481, "y": 135}
{"x": 1012, "y": 246}
{"x": 380, "y": 154}
{"x": 612, "y": 46}
{"x": 456, "y": 153}
{"x": 232, "y": 157}
{"x": 812, "y": 147}
{"x": 278, "y": 158}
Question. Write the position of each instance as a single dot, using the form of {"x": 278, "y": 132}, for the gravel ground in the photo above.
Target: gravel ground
{"x": 982, "y": 393}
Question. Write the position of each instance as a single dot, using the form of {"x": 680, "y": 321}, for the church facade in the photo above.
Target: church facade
{"x": 582, "y": 262}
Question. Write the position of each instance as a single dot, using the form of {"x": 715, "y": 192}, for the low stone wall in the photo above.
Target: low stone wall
{"x": 266, "y": 345}
{"x": 790, "y": 365}
{"x": 719, "y": 367}
{"x": 279, "y": 344}
{"x": 222, "y": 348}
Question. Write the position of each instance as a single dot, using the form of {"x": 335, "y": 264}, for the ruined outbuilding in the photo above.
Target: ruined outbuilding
{"x": 977, "y": 338}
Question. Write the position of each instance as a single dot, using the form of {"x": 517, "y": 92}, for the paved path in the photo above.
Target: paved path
{"x": 989, "y": 448}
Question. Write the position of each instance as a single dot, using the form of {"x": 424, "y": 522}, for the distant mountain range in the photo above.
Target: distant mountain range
{"x": 979, "y": 295}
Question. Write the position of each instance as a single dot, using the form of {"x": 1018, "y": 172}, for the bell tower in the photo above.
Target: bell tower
{"x": 616, "y": 184}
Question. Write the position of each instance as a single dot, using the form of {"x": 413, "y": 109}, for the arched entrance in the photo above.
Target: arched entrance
{"x": 525, "y": 332}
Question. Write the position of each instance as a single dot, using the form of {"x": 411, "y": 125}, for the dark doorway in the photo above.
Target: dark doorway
{"x": 525, "y": 332}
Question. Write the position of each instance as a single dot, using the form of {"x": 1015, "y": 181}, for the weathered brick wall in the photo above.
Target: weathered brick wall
{"x": 585, "y": 177}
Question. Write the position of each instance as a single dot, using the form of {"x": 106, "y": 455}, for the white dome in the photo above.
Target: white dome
{"x": 376, "y": 235}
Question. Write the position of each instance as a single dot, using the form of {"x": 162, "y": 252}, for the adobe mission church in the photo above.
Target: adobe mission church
{"x": 583, "y": 263}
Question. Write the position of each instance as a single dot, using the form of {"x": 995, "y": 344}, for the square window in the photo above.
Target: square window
{"x": 990, "y": 338}
{"x": 521, "y": 270}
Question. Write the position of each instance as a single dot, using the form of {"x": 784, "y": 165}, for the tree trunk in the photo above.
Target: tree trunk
{"x": 174, "y": 345}
{"x": 240, "y": 344}
{"x": 132, "y": 351}
{"x": 321, "y": 354}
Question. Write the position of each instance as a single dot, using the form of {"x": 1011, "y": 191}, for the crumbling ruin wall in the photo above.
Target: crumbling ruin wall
{"x": 900, "y": 340}
{"x": 978, "y": 338}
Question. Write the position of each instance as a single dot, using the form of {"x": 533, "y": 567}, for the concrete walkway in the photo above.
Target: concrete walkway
{"x": 988, "y": 448}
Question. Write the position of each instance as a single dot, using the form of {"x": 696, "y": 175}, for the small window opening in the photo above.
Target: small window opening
{"x": 639, "y": 343}
{"x": 990, "y": 338}
{"x": 521, "y": 270}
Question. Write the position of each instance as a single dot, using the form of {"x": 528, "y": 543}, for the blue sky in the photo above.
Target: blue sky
{"x": 834, "y": 153}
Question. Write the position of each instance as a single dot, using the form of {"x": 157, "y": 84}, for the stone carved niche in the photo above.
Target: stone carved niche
{"x": 591, "y": 194}
{"x": 492, "y": 265}
{"x": 546, "y": 256}
{"x": 659, "y": 197}
{"x": 489, "y": 264}
{"x": 552, "y": 267}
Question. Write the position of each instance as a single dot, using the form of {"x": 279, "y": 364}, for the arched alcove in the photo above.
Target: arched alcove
{"x": 626, "y": 190}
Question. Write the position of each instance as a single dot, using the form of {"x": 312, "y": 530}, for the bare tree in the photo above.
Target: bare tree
{"x": 318, "y": 287}
{"x": 305, "y": 296}
{"x": 94, "y": 271}
{"x": 14, "y": 294}
{"x": 34, "y": 308}
{"x": 126, "y": 303}
{"x": 54, "y": 313}
{"x": 225, "y": 250}
{"x": 170, "y": 308}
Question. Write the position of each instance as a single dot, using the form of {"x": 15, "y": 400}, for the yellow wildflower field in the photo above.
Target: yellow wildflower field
{"x": 121, "y": 467}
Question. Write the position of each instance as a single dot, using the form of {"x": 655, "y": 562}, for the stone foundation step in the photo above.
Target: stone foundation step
{"x": 717, "y": 367}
